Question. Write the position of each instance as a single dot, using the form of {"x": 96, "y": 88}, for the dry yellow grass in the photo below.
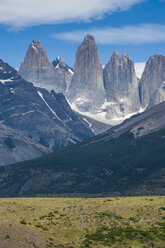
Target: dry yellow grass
{"x": 66, "y": 222}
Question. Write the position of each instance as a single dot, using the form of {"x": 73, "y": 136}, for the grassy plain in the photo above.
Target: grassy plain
{"x": 82, "y": 222}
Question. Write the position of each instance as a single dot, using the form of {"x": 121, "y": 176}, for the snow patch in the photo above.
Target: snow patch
{"x": 90, "y": 125}
{"x": 12, "y": 91}
{"x": 41, "y": 95}
{"x": 71, "y": 71}
{"x": 82, "y": 101}
{"x": 57, "y": 66}
{"x": 34, "y": 47}
{"x": 101, "y": 115}
{"x": 6, "y": 80}
{"x": 25, "y": 113}
{"x": 107, "y": 104}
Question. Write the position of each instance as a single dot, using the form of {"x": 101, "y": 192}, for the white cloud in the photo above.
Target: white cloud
{"x": 22, "y": 13}
{"x": 139, "y": 68}
{"x": 142, "y": 34}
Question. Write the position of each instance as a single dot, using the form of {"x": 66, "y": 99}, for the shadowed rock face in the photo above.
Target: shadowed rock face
{"x": 64, "y": 70}
{"x": 87, "y": 88}
{"x": 15, "y": 148}
{"x": 38, "y": 69}
{"x": 43, "y": 120}
{"x": 121, "y": 85}
{"x": 7, "y": 72}
{"x": 152, "y": 83}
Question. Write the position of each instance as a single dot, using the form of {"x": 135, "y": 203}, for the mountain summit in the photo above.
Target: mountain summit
{"x": 87, "y": 89}
{"x": 121, "y": 86}
{"x": 38, "y": 69}
{"x": 152, "y": 83}
{"x": 64, "y": 70}
{"x": 7, "y": 73}
{"x": 109, "y": 95}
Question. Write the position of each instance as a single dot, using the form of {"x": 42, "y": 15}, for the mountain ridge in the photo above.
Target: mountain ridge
{"x": 110, "y": 94}
{"x": 44, "y": 118}
{"x": 116, "y": 162}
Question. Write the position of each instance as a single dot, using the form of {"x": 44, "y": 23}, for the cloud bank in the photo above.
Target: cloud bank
{"x": 142, "y": 34}
{"x": 22, "y": 13}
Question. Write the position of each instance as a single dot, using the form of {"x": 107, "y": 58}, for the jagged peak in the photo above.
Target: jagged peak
{"x": 156, "y": 56}
{"x": 89, "y": 38}
{"x": 35, "y": 44}
{"x": 115, "y": 53}
{"x": 125, "y": 55}
{"x": 58, "y": 62}
{"x": 59, "y": 59}
{"x": 7, "y": 71}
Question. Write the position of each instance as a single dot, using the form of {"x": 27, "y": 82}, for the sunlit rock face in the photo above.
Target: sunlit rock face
{"x": 38, "y": 69}
{"x": 152, "y": 83}
{"x": 87, "y": 88}
{"x": 121, "y": 86}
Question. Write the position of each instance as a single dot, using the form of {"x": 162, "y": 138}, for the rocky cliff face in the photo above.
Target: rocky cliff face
{"x": 152, "y": 83}
{"x": 87, "y": 88}
{"x": 38, "y": 69}
{"x": 121, "y": 86}
{"x": 16, "y": 148}
{"x": 64, "y": 70}
{"x": 44, "y": 118}
{"x": 110, "y": 95}
{"x": 7, "y": 72}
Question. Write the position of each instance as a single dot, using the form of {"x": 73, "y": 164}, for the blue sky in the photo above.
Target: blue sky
{"x": 133, "y": 26}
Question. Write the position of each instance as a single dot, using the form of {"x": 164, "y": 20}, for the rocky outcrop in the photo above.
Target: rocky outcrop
{"x": 152, "y": 83}
{"x": 64, "y": 70}
{"x": 36, "y": 114}
{"x": 38, "y": 69}
{"x": 87, "y": 89}
{"x": 121, "y": 86}
{"x": 16, "y": 148}
{"x": 7, "y": 72}
{"x": 110, "y": 95}
{"x": 149, "y": 121}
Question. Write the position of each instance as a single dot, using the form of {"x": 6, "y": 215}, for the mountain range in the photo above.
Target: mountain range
{"x": 43, "y": 119}
{"x": 125, "y": 160}
{"x": 38, "y": 69}
{"x": 110, "y": 94}
{"x": 52, "y": 111}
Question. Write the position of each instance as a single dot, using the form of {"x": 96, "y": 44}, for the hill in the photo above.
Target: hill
{"x": 118, "y": 162}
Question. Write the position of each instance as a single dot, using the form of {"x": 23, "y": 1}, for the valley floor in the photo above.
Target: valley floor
{"x": 75, "y": 222}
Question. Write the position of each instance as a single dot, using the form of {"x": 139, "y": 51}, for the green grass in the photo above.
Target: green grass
{"x": 124, "y": 166}
{"x": 84, "y": 222}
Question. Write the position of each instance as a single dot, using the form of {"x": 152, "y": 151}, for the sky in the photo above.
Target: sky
{"x": 133, "y": 26}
